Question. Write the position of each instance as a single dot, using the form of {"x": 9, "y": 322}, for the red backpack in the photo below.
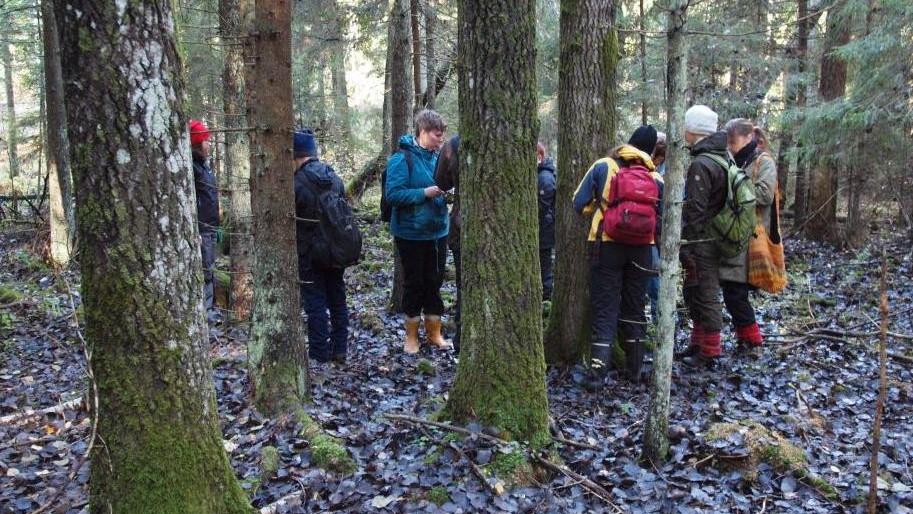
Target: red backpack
{"x": 630, "y": 217}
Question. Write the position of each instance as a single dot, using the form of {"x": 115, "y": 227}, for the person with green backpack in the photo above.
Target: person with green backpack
{"x": 706, "y": 191}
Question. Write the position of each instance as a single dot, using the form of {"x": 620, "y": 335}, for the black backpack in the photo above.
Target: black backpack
{"x": 336, "y": 242}
{"x": 386, "y": 209}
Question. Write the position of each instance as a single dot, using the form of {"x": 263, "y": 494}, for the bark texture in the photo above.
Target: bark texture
{"x": 823, "y": 191}
{"x": 501, "y": 377}
{"x": 234, "y": 16}
{"x": 159, "y": 448}
{"x": 656, "y": 443}
{"x": 276, "y": 351}
{"x": 586, "y": 108}
{"x": 63, "y": 219}
{"x": 401, "y": 90}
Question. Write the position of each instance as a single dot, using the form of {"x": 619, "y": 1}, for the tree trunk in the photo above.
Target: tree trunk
{"x": 586, "y": 108}
{"x": 344, "y": 152}
{"x": 430, "y": 65}
{"x": 643, "y": 63}
{"x": 12, "y": 132}
{"x": 234, "y": 19}
{"x": 401, "y": 112}
{"x": 656, "y": 443}
{"x": 63, "y": 220}
{"x": 276, "y": 354}
{"x": 501, "y": 377}
{"x": 159, "y": 444}
{"x": 416, "y": 11}
{"x": 823, "y": 191}
{"x": 800, "y": 202}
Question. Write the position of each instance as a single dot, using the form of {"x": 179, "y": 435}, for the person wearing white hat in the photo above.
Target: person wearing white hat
{"x": 705, "y": 194}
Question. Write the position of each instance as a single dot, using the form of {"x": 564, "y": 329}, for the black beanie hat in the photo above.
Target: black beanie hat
{"x": 644, "y": 139}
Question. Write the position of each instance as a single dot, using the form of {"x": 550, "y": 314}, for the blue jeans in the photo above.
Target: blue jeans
{"x": 325, "y": 291}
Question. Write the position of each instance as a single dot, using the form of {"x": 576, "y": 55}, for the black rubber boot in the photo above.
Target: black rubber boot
{"x": 635, "y": 350}
{"x": 600, "y": 365}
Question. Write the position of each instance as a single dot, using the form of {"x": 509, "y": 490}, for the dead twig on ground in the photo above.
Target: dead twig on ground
{"x": 591, "y": 486}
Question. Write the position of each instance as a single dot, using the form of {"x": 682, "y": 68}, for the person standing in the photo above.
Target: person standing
{"x": 748, "y": 145}
{"x": 419, "y": 224}
{"x": 447, "y": 177}
{"x": 619, "y": 269}
{"x": 323, "y": 289}
{"x": 208, "y": 209}
{"x": 659, "y": 160}
{"x": 546, "y": 187}
{"x": 705, "y": 194}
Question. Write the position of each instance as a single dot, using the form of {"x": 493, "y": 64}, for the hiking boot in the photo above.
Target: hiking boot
{"x": 701, "y": 362}
{"x": 433, "y": 332}
{"x": 600, "y": 364}
{"x": 411, "y": 345}
{"x": 694, "y": 346}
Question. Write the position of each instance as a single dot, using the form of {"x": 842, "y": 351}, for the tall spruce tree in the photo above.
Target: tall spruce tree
{"x": 586, "y": 108}
{"x": 501, "y": 376}
{"x": 160, "y": 448}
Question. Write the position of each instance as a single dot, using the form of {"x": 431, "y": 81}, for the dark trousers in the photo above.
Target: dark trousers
{"x": 208, "y": 252}
{"x": 458, "y": 264}
{"x": 701, "y": 291}
{"x": 423, "y": 274}
{"x": 618, "y": 286}
{"x": 546, "y": 265}
{"x": 323, "y": 291}
{"x": 735, "y": 296}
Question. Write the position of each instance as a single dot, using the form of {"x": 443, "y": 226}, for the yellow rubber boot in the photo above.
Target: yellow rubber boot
{"x": 433, "y": 332}
{"x": 411, "y": 345}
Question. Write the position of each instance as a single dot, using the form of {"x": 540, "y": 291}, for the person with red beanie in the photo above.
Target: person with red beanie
{"x": 208, "y": 210}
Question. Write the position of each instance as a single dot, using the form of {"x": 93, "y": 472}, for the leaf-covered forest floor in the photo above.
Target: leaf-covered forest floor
{"x": 786, "y": 431}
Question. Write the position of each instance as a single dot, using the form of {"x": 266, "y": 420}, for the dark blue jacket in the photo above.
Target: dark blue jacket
{"x": 415, "y": 217}
{"x": 547, "y": 185}
{"x": 310, "y": 178}
{"x": 204, "y": 181}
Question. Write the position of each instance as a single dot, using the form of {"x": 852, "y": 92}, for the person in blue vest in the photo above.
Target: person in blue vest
{"x": 208, "y": 209}
{"x": 420, "y": 225}
{"x": 322, "y": 289}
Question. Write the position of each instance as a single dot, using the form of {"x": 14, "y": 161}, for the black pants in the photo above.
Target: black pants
{"x": 618, "y": 292}
{"x": 208, "y": 253}
{"x": 546, "y": 262}
{"x": 701, "y": 292}
{"x": 735, "y": 295}
{"x": 423, "y": 274}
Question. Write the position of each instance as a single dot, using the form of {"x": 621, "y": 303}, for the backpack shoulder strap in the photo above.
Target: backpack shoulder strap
{"x": 407, "y": 155}
{"x": 717, "y": 159}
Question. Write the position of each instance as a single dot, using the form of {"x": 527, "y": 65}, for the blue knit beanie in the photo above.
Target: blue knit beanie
{"x": 305, "y": 143}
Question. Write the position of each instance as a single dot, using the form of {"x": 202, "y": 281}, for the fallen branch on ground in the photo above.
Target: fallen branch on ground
{"x": 18, "y": 417}
{"x": 593, "y": 487}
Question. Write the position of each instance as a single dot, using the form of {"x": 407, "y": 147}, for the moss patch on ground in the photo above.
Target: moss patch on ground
{"x": 327, "y": 452}
{"x": 771, "y": 447}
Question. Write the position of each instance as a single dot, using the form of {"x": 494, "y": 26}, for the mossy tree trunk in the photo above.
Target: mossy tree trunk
{"x": 234, "y": 16}
{"x": 586, "y": 108}
{"x": 159, "y": 448}
{"x": 501, "y": 377}
{"x": 400, "y": 110}
{"x": 342, "y": 120}
{"x": 63, "y": 220}
{"x": 823, "y": 191}
{"x": 276, "y": 352}
{"x": 656, "y": 443}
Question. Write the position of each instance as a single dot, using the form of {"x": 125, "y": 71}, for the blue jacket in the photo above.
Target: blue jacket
{"x": 547, "y": 185}
{"x": 415, "y": 217}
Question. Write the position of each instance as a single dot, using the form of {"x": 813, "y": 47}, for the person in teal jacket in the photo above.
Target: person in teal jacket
{"x": 419, "y": 224}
